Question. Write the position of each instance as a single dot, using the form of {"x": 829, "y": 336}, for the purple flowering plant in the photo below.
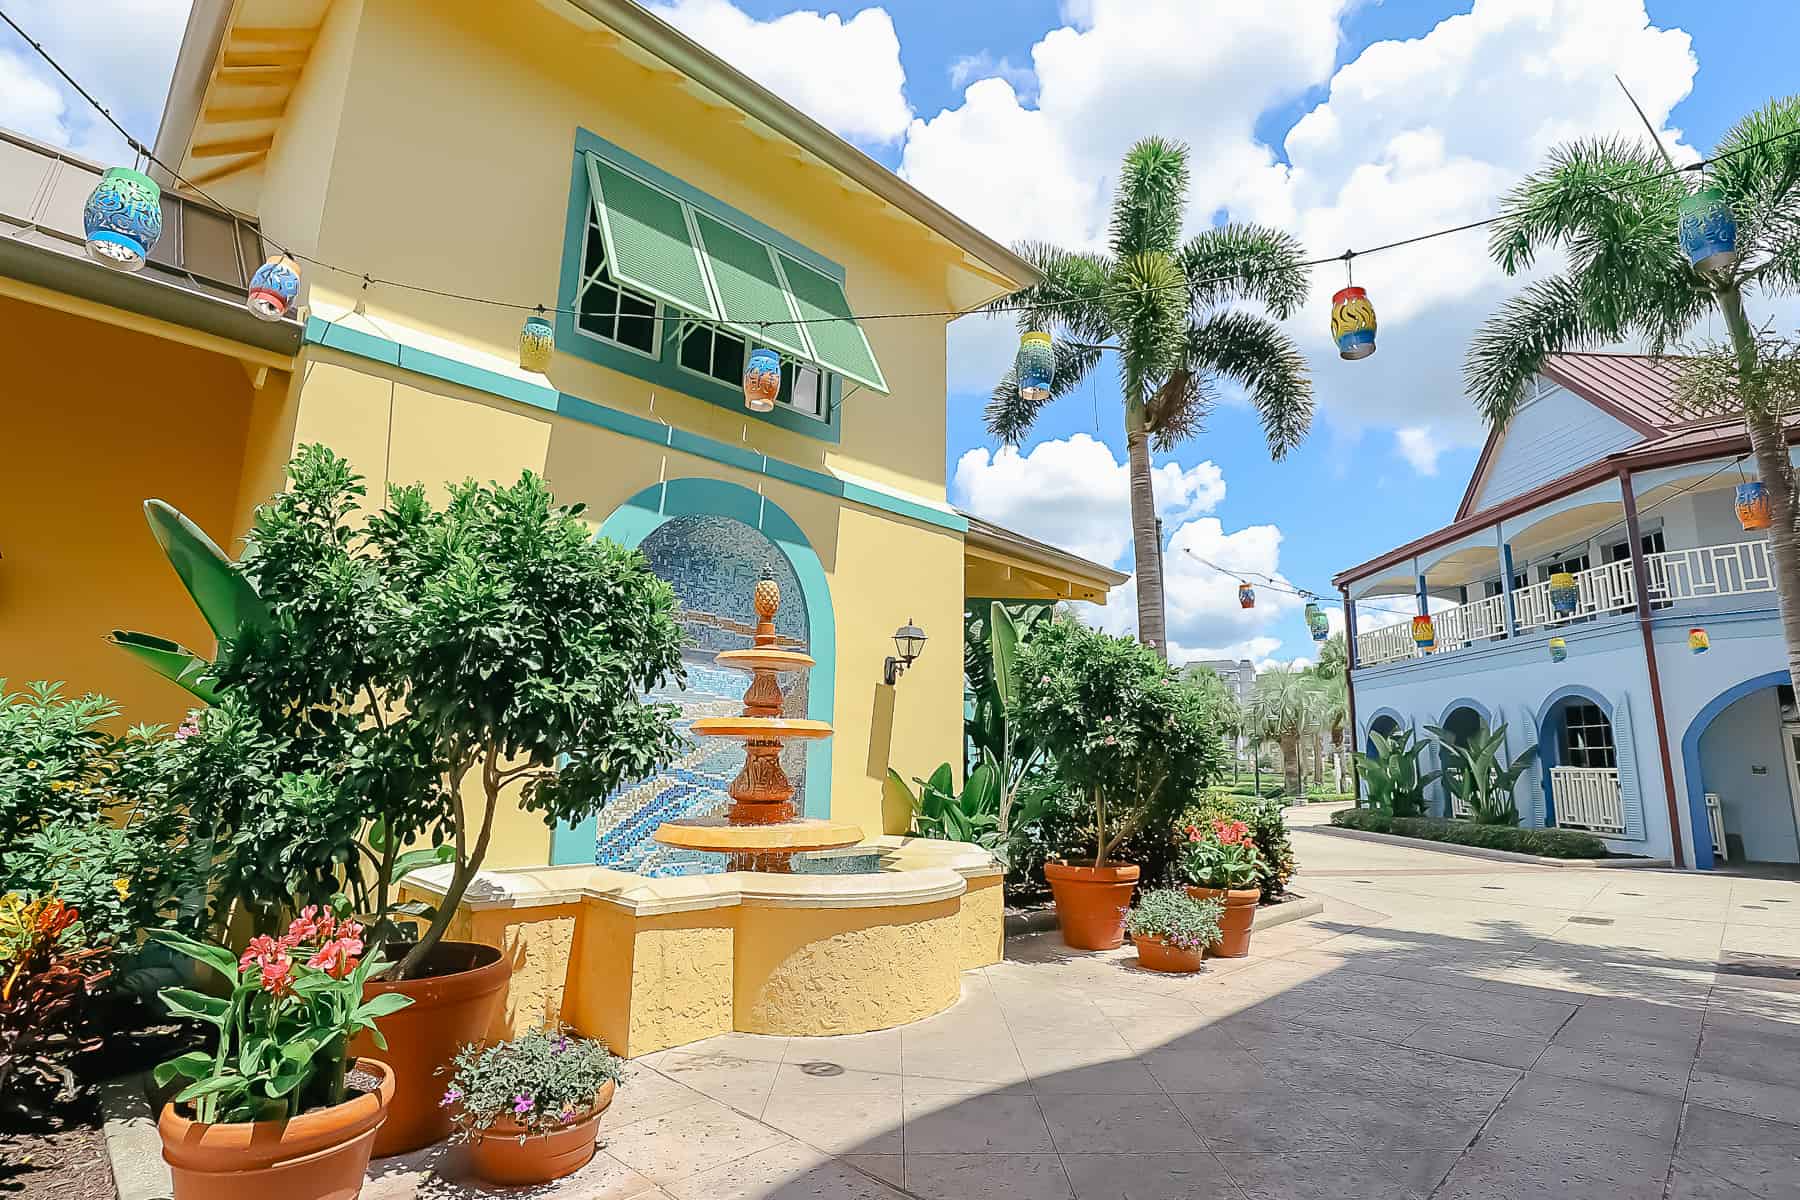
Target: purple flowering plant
{"x": 540, "y": 1082}
{"x": 1177, "y": 918}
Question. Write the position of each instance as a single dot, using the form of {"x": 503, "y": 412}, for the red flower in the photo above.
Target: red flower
{"x": 278, "y": 976}
{"x": 1230, "y": 833}
{"x": 338, "y": 957}
{"x": 271, "y": 959}
{"x": 262, "y": 950}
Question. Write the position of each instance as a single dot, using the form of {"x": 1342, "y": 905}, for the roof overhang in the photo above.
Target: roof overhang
{"x": 999, "y": 564}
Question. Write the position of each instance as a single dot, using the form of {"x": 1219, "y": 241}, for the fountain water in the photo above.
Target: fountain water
{"x": 760, "y": 831}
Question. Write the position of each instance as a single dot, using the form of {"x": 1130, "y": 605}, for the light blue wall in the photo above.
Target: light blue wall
{"x": 1551, "y": 436}
{"x": 1743, "y": 740}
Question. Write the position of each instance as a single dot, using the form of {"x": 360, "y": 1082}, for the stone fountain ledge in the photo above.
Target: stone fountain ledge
{"x": 650, "y": 963}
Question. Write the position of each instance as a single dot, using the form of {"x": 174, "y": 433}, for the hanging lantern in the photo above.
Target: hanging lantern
{"x": 762, "y": 380}
{"x": 537, "y": 342}
{"x": 1035, "y": 367}
{"x": 1424, "y": 632}
{"x": 1564, "y": 593}
{"x": 1698, "y": 642}
{"x": 1707, "y": 231}
{"x": 1317, "y": 623}
{"x": 123, "y": 219}
{"x": 1353, "y": 323}
{"x": 1559, "y": 650}
{"x": 1753, "y": 505}
{"x": 274, "y": 287}
{"x": 1246, "y": 596}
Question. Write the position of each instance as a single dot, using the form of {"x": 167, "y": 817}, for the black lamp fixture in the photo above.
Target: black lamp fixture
{"x": 909, "y": 641}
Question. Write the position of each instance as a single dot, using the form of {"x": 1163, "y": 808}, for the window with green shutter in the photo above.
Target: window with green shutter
{"x": 669, "y": 284}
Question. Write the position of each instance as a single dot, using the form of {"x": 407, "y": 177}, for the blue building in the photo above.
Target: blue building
{"x": 1660, "y": 748}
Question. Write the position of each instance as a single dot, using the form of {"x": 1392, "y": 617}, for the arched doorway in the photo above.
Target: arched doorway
{"x": 1387, "y": 724}
{"x": 1578, "y": 748}
{"x": 1744, "y": 749}
{"x": 1465, "y": 721}
{"x": 711, "y": 541}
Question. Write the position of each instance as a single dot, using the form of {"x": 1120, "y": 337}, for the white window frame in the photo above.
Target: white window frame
{"x": 592, "y": 279}
{"x": 689, "y": 326}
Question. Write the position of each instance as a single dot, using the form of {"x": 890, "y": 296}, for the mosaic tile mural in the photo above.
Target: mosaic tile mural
{"x": 713, "y": 563}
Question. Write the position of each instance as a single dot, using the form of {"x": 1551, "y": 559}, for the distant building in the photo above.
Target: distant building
{"x": 1239, "y": 675}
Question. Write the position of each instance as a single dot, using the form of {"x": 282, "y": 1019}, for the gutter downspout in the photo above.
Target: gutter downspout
{"x": 1350, "y": 690}
{"x": 1640, "y": 580}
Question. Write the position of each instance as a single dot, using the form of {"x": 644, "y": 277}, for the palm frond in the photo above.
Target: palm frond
{"x": 1257, "y": 353}
{"x": 1147, "y": 313}
{"x": 1010, "y": 416}
{"x": 1179, "y": 408}
{"x": 1590, "y": 188}
{"x": 1070, "y": 297}
{"x": 1254, "y": 262}
{"x": 1509, "y": 349}
{"x": 1759, "y": 172}
{"x": 1148, "y": 204}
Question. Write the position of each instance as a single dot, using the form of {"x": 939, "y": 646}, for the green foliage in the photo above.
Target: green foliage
{"x": 284, "y": 1029}
{"x": 939, "y": 811}
{"x": 124, "y": 879}
{"x": 51, "y": 973}
{"x": 1475, "y": 776}
{"x": 543, "y": 1080}
{"x": 58, "y": 760}
{"x": 1123, "y": 730}
{"x": 1174, "y": 916}
{"x": 1268, "y": 828}
{"x": 1221, "y": 854}
{"x": 1392, "y": 775}
{"x": 1546, "y": 843}
{"x": 993, "y": 635}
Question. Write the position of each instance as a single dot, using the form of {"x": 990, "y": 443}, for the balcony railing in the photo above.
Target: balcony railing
{"x": 1587, "y": 798}
{"x": 1704, "y": 572}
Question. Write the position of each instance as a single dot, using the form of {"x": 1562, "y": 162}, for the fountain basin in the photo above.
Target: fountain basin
{"x": 649, "y": 963}
{"x": 761, "y": 729}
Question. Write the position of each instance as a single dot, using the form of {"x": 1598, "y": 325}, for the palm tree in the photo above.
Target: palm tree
{"x": 1332, "y": 672}
{"x": 1612, "y": 206}
{"x": 1287, "y": 701}
{"x": 1227, "y": 714}
{"x": 1160, "y": 305}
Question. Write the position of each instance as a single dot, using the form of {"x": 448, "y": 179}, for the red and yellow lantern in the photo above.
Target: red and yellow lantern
{"x": 1424, "y": 632}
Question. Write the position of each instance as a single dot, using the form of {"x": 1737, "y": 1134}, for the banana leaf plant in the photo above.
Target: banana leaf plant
{"x": 940, "y": 811}
{"x": 991, "y": 663}
{"x": 1475, "y": 776}
{"x": 1395, "y": 784}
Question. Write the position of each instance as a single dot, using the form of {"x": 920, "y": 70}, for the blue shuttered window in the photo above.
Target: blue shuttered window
{"x": 1631, "y": 792}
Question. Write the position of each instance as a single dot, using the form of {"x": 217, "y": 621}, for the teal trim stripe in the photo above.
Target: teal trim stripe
{"x": 320, "y": 332}
{"x": 642, "y": 515}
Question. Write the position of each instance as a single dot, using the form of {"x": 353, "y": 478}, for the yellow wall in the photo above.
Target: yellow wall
{"x": 97, "y": 420}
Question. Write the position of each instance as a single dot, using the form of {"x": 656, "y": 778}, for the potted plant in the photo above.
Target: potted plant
{"x": 387, "y": 677}
{"x": 1128, "y": 734}
{"x": 1221, "y": 864}
{"x": 1172, "y": 930}
{"x": 280, "y": 1109}
{"x": 529, "y": 1108}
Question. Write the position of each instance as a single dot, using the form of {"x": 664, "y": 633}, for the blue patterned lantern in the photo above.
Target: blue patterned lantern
{"x": 762, "y": 380}
{"x": 274, "y": 287}
{"x": 1753, "y": 505}
{"x": 537, "y": 342}
{"x": 1559, "y": 649}
{"x": 1317, "y": 623}
{"x": 1565, "y": 593}
{"x": 1708, "y": 232}
{"x": 1246, "y": 596}
{"x": 123, "y": 219}
{"x": 1035, "y": 366}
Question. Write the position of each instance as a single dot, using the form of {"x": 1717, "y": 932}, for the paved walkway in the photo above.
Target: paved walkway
{"x": 1450, "y": 1028}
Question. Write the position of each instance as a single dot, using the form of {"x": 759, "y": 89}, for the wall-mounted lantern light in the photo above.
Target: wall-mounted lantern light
{"x": 909, "y": 642}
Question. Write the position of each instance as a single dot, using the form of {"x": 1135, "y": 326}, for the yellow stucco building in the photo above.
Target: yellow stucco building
{"x": 441, "y": 169}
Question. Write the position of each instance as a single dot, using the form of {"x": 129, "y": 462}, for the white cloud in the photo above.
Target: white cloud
{"x": 1073, "y": 493}
{"x": 984, "y": 65}
{"x": 846, "y": 74}
{"x": 1420, "y": 447}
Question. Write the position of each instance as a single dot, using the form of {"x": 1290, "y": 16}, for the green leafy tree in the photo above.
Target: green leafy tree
{"x": 1122, "y": 728}
{"x": 1162, "y": 307}
{"x": 991, "y": 643}
{"x": 1290, "y": 705}
{"x": 1474, "y": 773}
{"x": 1612, "y": 207}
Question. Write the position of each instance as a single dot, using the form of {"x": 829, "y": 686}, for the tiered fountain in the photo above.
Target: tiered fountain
{"x": 760, "y": 831}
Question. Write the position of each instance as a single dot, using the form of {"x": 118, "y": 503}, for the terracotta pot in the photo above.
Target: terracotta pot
{"x": 1091, "y": 903}
{"x": 452, "y": 1005}
{"x": 499, "y": 1154}
{"x": 320, "y": 1155}
{"x": 1234, "y": 923}
{"x": 1155, "y": 954}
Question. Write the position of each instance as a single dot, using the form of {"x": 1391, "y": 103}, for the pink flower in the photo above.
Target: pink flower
{"x": 262, "y": 950}
{"x": 269, "y": 958}
{"x": 1111, "y": 740}
{"x": 567, "y": 1115}
{"x": 522, "y": 1104}
{"x": 450, "y": 1097}
{"x": 278, "y": 976}
{"x": 309, "y": 926}
{"x": 338, "y": 957}
{"x": 188, "y": 728}
{"x": 1230, "y": 833}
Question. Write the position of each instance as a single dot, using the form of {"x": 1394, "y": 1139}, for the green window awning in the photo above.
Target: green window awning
{"x": 664, "y": 246}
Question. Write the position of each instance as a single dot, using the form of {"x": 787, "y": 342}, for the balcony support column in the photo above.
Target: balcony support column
{"x": 1506, "y": 578}
{"x": 1640, "y": 582}
{"x": 1356, "y": 740}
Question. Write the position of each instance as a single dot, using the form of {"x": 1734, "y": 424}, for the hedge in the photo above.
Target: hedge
{"x": 1547, "y": 843}
{"x": 1326, "y": 798}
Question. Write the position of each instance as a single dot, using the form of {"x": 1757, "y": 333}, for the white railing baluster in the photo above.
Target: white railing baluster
{"x": 1587, "y": 798}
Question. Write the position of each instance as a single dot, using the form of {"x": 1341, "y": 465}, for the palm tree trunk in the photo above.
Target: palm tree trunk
{"x": 1768, "y": 442}
{"x": 1146, "y": 551}
{"x": 1290, "y": 761}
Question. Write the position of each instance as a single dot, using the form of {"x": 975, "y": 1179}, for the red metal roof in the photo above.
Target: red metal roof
{"x": 1636, "y": 388}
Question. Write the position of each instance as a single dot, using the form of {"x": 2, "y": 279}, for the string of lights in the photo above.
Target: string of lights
{"x": 368, "y": 280}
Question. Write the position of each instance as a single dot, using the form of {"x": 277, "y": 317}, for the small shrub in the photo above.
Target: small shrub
{"x": 1177, "y": 918}
{"x": 543, "y": 1080}
{"x": 1221, "y": 855}
{"x": 1547, "y": 843}
{"x": 1267, "y": 827}
{"x": 46, "y": 1019}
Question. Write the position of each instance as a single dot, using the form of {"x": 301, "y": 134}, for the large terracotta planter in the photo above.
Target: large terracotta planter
{"x": 506, "y": 1155}
{"x": 320, "y": 1155}
{"x": 1091, "y": 903}
{"x": 1155, "y": 954}
{"x": 451, "y": 1006}
{"x": 1234, "y": 923}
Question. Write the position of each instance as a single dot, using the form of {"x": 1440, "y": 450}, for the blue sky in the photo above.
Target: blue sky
{"x": 1348, "y": 122}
